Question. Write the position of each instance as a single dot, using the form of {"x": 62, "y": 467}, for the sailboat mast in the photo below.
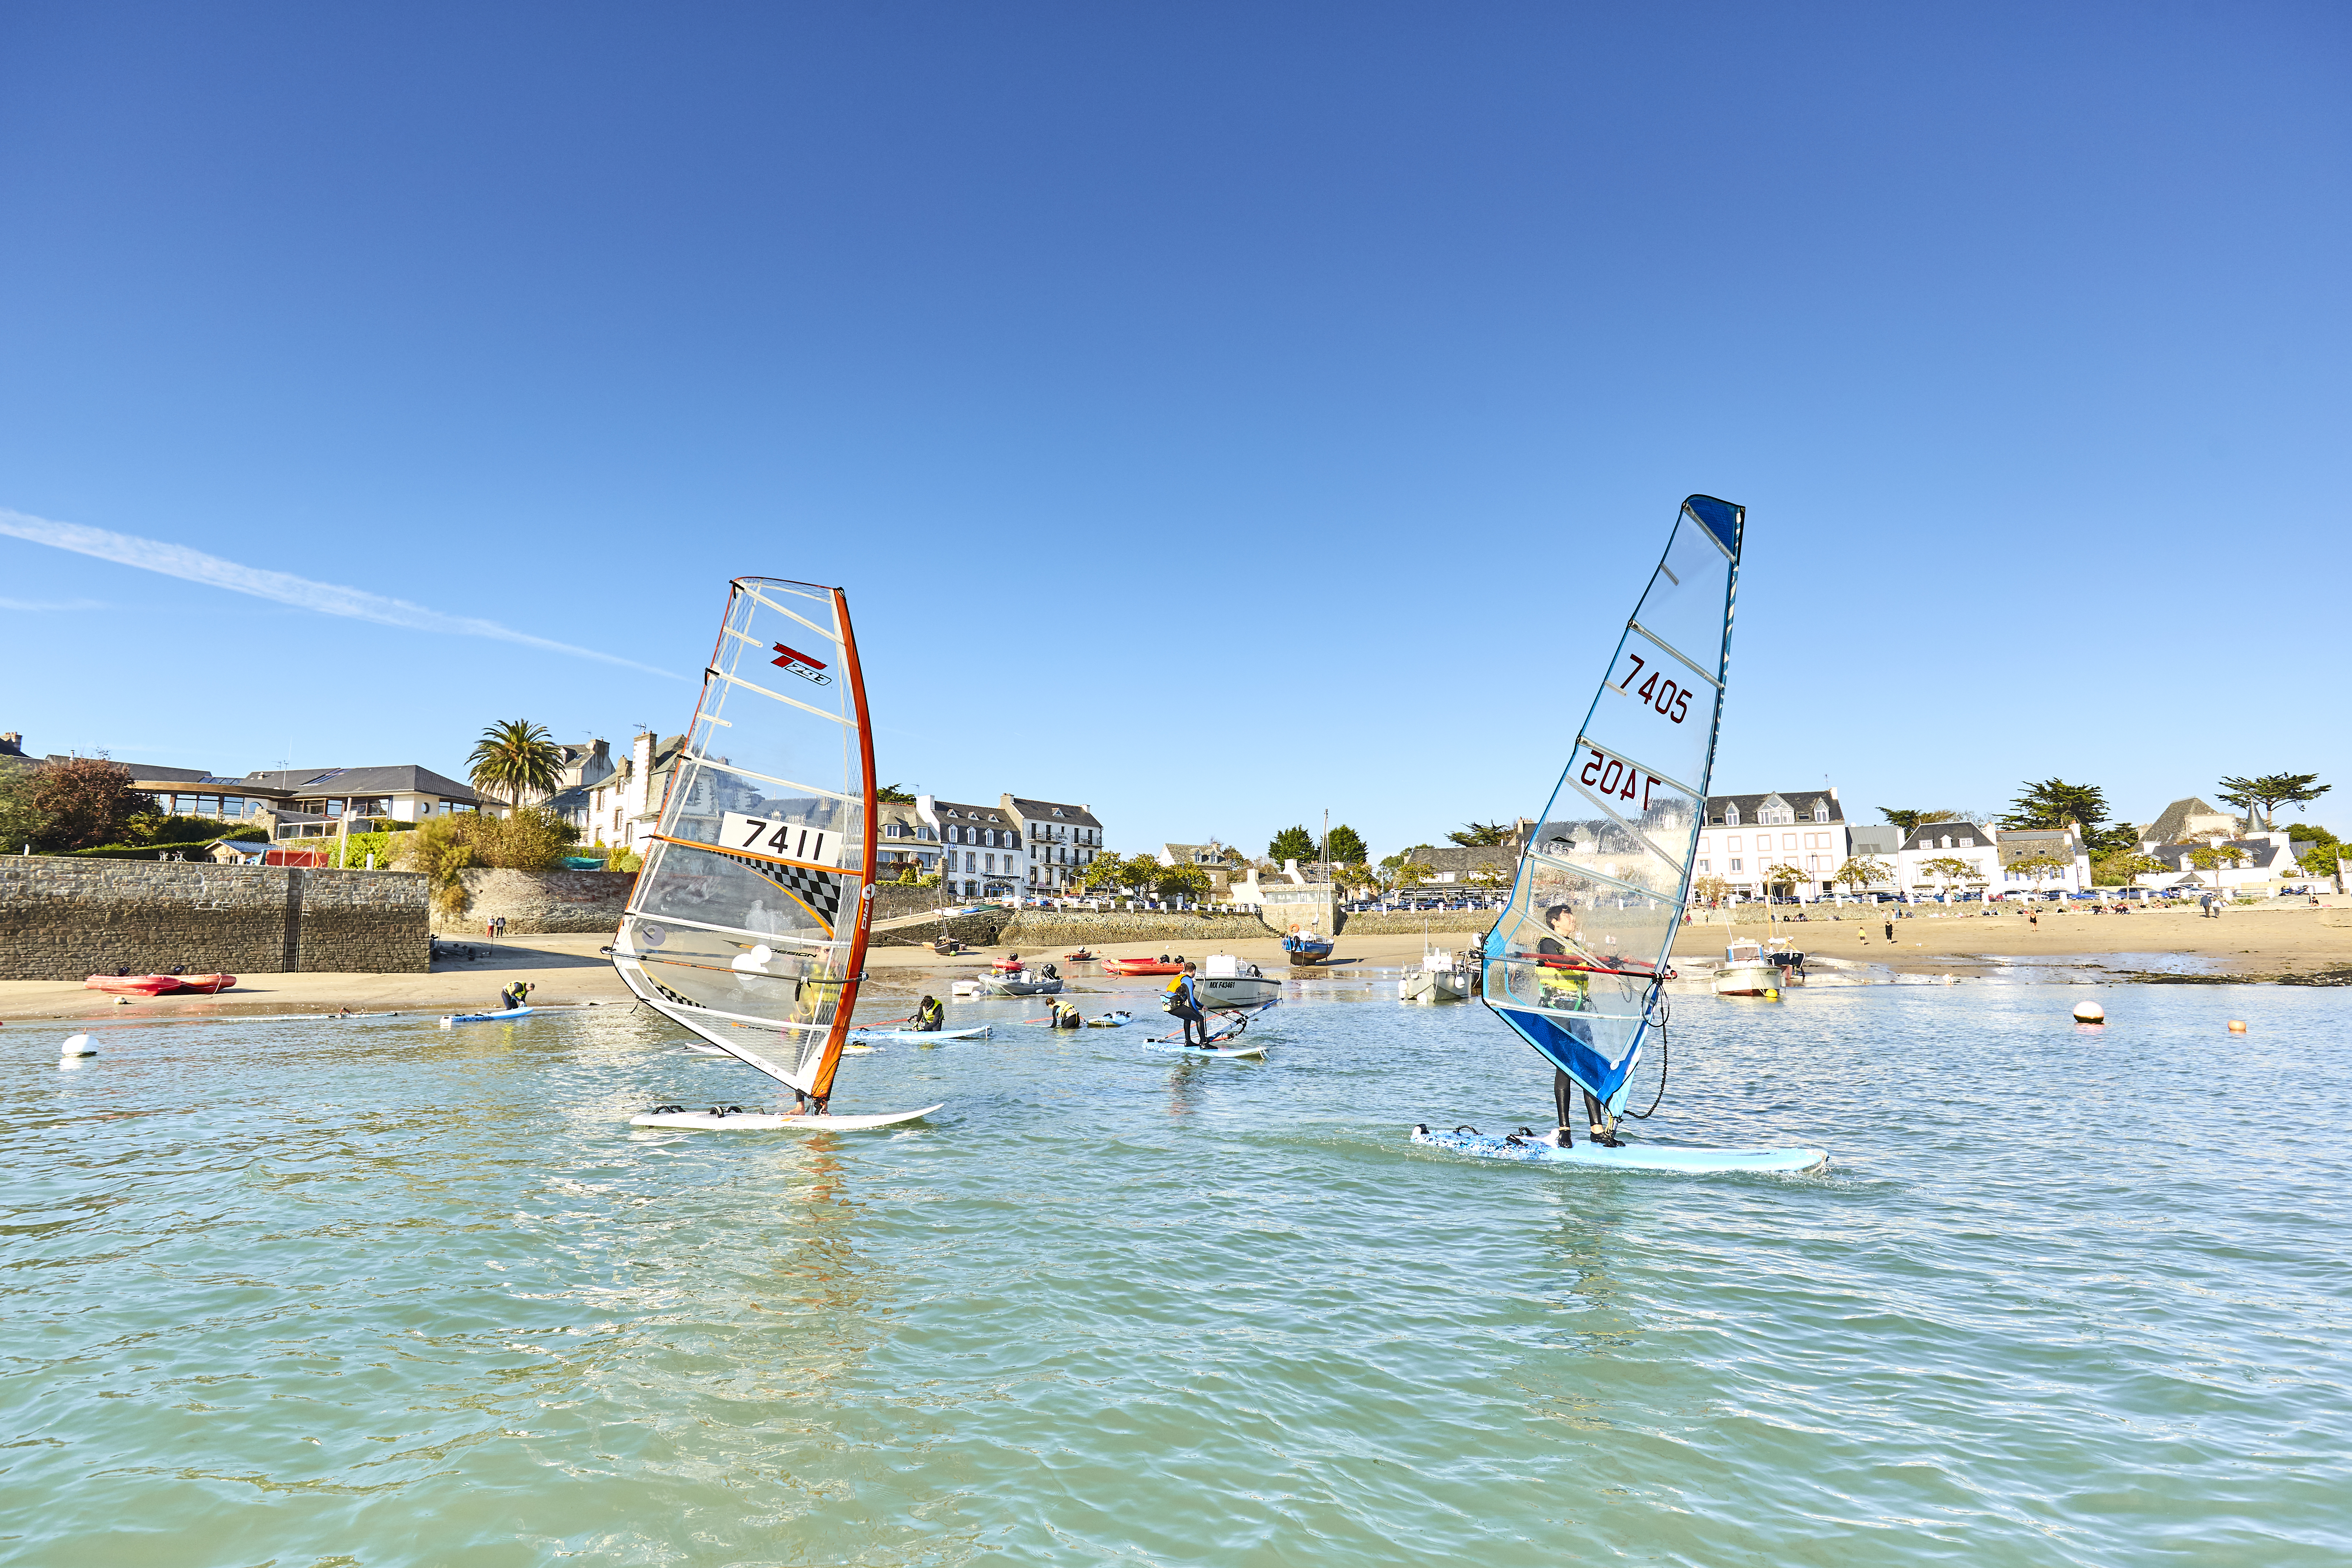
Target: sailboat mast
{"x": 821, "y": 1086}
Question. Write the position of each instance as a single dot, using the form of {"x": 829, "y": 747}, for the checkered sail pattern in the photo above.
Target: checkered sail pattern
{"x": 760, "y": 955}
{"x": 1573, "y": 964}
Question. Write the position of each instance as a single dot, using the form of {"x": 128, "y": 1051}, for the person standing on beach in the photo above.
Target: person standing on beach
{"x": 1890, "y": 928}
{"x": 1864, "y": 933}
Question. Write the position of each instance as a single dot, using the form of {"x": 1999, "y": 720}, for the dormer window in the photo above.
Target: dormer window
{"x": 1731, "y": 817}
{"x": 1821, "y": 811}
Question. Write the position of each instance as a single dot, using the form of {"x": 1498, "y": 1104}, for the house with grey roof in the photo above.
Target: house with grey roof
{"x": 1063, "y": 841}
{"x": 982, "y": 854}
{"x": 1744, "y": 837}
{"x": 318, "y": 802}
{"x": 2188, "y": 821}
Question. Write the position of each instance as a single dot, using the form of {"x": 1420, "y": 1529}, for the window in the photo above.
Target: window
{"x": 1732, "y": 844}
{"x": 1731, "y": 817}
{"x": 968, "y": 859}
{"x": 1702, "y": 865}
{"x": 1968, "y": 843}
{"x": 1734, "y": 865}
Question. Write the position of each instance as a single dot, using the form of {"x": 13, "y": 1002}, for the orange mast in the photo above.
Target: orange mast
{"x": 821, "y": 1086}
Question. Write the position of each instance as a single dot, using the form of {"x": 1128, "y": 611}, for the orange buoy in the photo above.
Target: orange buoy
{"x": 2237, "y": 1026}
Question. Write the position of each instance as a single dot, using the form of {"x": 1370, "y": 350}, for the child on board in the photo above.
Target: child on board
{"x": 1184, "y": 1001}
{"x": 1570, "y": 991}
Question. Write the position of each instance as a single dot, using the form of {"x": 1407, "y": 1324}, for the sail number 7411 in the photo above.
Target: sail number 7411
{"x": 785, "y": 840}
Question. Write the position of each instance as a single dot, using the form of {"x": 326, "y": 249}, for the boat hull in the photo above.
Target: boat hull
{"x": 1434, "y": 985}
{"x": 1238, "y": 991}
{"x": 1748, "y": 980}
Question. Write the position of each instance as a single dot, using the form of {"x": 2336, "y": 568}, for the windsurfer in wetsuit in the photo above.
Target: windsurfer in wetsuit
{"x": 929, "y": 1016}
{"x": 1570, "y": 991}
{"x": 1184, "y": 1001}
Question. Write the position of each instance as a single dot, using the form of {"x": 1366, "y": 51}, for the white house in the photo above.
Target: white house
{"x": 1969, "y": 843}
{"x": 905, "y": 836}
{"x": 1745, "y": 835}
{"x": 2016, "y": 845}
{"x": 624, "y": 808}
{"x": 982, "y": 852}
{"x": 1063, "y": 840}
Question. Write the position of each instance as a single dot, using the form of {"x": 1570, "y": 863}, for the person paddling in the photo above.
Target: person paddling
{"x": 1184, "y": 1001}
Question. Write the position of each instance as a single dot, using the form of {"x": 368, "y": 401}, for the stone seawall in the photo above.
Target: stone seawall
{"x": 544, "y": 901}
{"x": 978, "y": 929}
{"x": 64, "y": 920}
{"x": 1056, "y": 929}
{"x": 1412, "y": 923}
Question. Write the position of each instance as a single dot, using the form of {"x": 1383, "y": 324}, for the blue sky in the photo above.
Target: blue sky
{"x": 1213, "y": 412}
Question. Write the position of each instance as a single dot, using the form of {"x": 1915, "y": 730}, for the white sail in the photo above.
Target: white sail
{"x": 1575, "y": 963}
{"x": 749, "y": 922}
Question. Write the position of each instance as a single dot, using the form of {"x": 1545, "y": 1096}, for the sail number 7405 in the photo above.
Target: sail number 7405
{"x": 787, "y": 840}
{"x": 1667, "y": 697}
{"x": 1604, "y": 774}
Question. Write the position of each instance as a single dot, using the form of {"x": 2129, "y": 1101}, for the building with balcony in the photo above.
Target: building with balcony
{"x": 1063, "y": 841}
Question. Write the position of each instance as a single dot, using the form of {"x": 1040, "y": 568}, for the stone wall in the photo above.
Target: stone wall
{"x": 1054, "y": 929}
{"x": 1412, "y": 923}
{"x": 978, "y": 929}
{"x": 540, "y": 901}
{"x": 65, "y": 919}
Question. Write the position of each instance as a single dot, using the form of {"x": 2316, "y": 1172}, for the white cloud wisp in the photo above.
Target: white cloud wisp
{"x": 325, "y": 598}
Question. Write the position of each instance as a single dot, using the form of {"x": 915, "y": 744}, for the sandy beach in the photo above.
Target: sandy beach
{"x": 568, "y": 971}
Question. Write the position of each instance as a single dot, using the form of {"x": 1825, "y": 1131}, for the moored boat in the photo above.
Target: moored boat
{"x": 1443, "y": 977}
{"x": 1140, "y": 966}
{"x": 1307, "y": 947}
{"x": 133, "y": 984}
{"x": 1229, "y": 981}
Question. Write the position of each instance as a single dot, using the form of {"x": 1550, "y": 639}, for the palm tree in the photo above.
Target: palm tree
{"x": 514, "y": 758}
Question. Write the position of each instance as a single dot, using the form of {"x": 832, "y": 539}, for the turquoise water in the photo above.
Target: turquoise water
{"x": 311, "y": 1293}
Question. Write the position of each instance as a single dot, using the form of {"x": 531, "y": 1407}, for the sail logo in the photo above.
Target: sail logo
{"x": 802, "y": 665}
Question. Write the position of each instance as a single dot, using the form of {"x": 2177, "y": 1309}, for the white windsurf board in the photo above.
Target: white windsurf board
{"x": 1542, "y": 1149}
{"x": 507, "y": 1015}
{"x": 770, "y": 1122}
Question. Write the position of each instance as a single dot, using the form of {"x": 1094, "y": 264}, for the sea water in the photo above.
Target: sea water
{"x": 371, "y": 1292}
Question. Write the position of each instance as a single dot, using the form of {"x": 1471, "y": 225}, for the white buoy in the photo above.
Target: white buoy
{"x": 76, "y": 1045}
{"x": 2089, "y": 1013}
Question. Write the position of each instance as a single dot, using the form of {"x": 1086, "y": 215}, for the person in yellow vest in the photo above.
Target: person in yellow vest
{"x": 514, "y": 996}
{"x": 1569, "y": 990}
{"x": 929, "y": 1016}
{"x": 1184, "y": 1001}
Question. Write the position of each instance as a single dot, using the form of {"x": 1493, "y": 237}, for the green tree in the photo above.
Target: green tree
{"x": 2318, "y": 858}
{"x": 1908, "y": 819}
{"x": 515, "y": 758}
{"x": 1409, "y": 874}
{"x": 1951, "y": 869}
{"x": 1180, "y": 881}
{"x": 2055, "y": 805}
{"x": 892, "y": 793}
{"x": 2119, "y": 869}
{"x": 1782, "y": 878}
{"x": 1292, "y": 843}
{"x": 21, "y": 822}
{"x": 1711, "y": 890}
{"x": 2261, "y": 796}
{"x": 2211, "y": 859}
{"x": 440, "y": 848}
{"x": 1478, "y": 835}
{"x": 86, "y": 802}
{"x": 1861, "y": 871}
{"x": 630, "y": 860}
{"x": 1347, "y": 846}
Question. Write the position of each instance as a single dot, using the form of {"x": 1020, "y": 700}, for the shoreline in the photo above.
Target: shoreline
{"x": 2293, "y": 947}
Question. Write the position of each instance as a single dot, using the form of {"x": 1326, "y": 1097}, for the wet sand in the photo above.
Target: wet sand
{"x": 568, "y": 971}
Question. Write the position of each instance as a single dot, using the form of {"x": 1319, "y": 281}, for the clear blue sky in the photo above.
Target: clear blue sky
{"x": 1210, "y": 410}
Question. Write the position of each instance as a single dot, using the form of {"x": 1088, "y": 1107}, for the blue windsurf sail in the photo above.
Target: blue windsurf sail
{"x": 1576, "y": 963}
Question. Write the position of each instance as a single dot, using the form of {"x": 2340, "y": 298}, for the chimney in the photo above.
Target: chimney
{"x": 11, "y": 744}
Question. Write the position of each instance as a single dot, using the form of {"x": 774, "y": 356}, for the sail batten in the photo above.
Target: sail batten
{"x": 1575, "y": 963}
{"x": 752, "y": 907}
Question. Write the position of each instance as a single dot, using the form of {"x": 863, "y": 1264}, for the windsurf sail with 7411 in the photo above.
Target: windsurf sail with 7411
{"x": 749, "y": 922}
{"x": 1577, "y": 963}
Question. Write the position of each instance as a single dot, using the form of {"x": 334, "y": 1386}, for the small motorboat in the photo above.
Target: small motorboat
{"x": 1021, "y": 983}
{"x": 1111, "y": 1021}
{"x": 1081, "y": 956}
{"x": 1307, "y": 947}
{"x": 1746, "y": 972}
{"x": 133, "y": 984}
{"x": 1011, "y": 966}
{"x": 1443, "y": 977}
{"x": 1140, "y": 966}
{"x": 1230, "y": 982}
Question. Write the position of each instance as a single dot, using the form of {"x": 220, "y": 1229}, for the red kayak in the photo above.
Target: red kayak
{"x": 206, "y": 984}
{"x": 1140, "y": 966}
{"x": 133, "y": 984}
{"x": 158, "y": 984}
